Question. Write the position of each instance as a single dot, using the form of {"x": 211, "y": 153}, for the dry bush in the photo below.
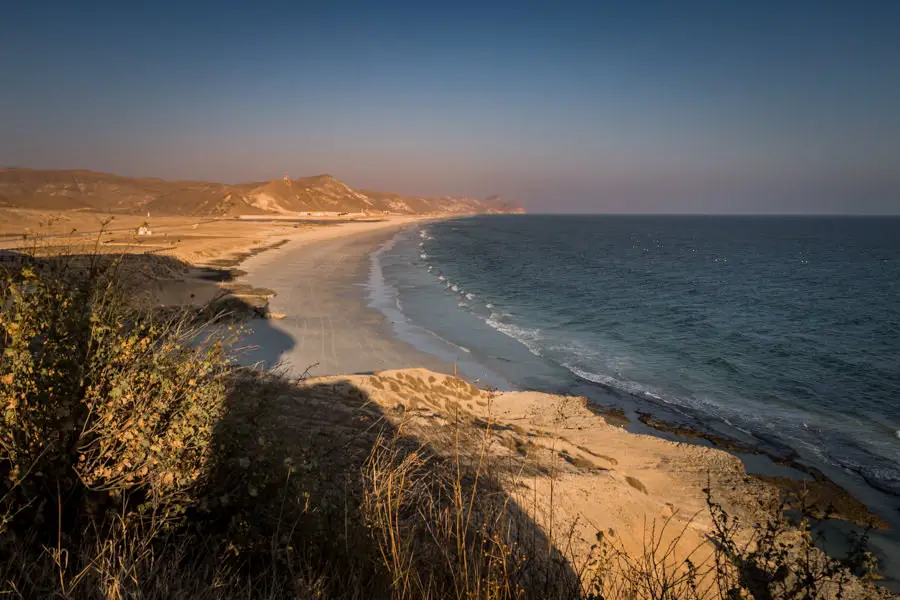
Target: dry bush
{"x": 107, "y": 415}
{"x": 774, "y": 560}
{"x": 445, "y": 528}
{"x": 781, "y": 559}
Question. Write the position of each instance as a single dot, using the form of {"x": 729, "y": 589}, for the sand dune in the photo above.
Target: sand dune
{"x": 604, "y": 479}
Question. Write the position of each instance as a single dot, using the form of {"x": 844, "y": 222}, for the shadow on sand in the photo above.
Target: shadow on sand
{"x": 312, "y": 491}
{"x": 302, "y": 480}
{"x": 295, "y": 487}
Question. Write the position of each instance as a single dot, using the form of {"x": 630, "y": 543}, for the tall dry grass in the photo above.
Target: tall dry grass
{"x": 446, "y": 527}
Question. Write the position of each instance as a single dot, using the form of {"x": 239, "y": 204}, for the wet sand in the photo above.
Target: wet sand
{"x": 320, "y": 305}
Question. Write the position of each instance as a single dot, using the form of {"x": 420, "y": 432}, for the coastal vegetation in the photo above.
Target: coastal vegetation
{"x": 139, "y": 461}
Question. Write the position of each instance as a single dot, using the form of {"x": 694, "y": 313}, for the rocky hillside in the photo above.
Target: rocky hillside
{"x": 103, "y": 192}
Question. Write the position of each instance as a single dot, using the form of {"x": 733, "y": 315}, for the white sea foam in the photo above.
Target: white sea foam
{"x": 423, "y": 255}
{"x": 527, "y": 337}
{"x": 625, "y": 386}
{"x": 448, "y": 342}
{"x": 602, "y": 358}
{"x": 470, "y": 296}
{"x": 738, "y": 427}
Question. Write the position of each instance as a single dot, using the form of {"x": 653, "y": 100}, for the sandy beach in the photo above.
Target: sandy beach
{"x": 605, "y": 479}
{"x": 322, "y": 321}
{"x": 578, "y": 476}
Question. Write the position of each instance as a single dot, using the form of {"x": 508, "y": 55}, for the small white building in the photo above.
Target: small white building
{"x": 144, "y": 230}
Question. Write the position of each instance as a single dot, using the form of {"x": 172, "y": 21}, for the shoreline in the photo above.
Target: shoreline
{"x": 334, "y": 333}
{"x": 361, "y": 320}
{"x": 331, "y": 327}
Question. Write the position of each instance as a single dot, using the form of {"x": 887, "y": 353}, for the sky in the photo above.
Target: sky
{"x": 725, "y": 106}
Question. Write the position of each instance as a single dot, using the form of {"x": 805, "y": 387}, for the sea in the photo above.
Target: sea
{"x": 781, "y": 333}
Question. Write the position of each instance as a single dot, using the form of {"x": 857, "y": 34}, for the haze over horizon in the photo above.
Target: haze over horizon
{"x": 663, "y": 107}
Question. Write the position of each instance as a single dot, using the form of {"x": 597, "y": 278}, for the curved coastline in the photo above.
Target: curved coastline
{"x": 343, "y": 319}
{"x": 765, "y": 460}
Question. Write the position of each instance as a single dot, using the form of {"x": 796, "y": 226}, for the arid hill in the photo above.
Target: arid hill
{"x": 104, "y": 192}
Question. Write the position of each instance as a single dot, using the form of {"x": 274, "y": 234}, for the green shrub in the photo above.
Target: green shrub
{"x": 105, "y": 410}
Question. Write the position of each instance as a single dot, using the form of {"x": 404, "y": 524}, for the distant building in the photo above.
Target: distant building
{"x": 144, "y": 230}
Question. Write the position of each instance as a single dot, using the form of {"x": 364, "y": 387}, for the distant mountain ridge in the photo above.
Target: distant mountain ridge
{"x": 104, "y": 192}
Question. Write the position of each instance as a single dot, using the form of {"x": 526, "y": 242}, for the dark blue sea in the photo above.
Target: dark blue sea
{"x": 782, "y": 333}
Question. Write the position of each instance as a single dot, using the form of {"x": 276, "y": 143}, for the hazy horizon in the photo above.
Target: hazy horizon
{"x": 695, "y": 108}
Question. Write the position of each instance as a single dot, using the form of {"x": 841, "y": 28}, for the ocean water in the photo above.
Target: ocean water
{"x": 780, "y": 332}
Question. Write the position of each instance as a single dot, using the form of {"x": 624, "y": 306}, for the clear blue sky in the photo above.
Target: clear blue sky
{"x": 719, "y": 106}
